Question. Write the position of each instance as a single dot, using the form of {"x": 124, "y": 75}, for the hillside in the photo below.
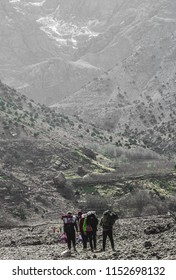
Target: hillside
{"x": 37, "y": 143}
{"x": 31, "y": 60}
{"x": 110, "y": 63}
{"x": 87, "y": 121}
{"x": 135, "y": 96}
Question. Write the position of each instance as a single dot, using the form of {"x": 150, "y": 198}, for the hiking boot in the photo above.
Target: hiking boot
{"x": 75, "y": 249}
{"x": 113, "y": 250}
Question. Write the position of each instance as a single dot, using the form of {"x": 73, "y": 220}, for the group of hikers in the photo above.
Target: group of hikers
{"x": 86, "y": 225}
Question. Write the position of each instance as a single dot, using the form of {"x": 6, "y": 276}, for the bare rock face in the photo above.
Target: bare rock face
{"x": 59, "y": 180}
{"x": 154, "y": 229}
{"x": 89, "y": 153}
{"x": 81, "y": 171}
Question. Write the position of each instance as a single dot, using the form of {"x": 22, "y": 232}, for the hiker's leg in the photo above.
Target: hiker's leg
{"x": 94, "y": 240}
{"x": 111, "y": 238}
{"x": 104, "y": 238}
{"x": 84, "y": 239}
{"x": 73, "y": 238}
{"x": 68, "y": 240}
{"x": 91, "y": 240}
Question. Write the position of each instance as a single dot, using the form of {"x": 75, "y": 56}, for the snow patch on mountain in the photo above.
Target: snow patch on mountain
{"x": 37, "y": 4}
{"x": 83, "y": 64}
{"x": 164, "y": 19}
{"x": 19, "y": 10}
{"x": 14, "y": 1}
{"x": 65, "y": 33}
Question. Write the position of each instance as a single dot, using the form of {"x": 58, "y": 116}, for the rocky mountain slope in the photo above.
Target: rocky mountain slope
{"x": 135, "y": 95}
{"x": 107, "y": 140}
{"x": 31, "y": 59}
{"x": 142, "y": 238}
{"x": 37, "y": 143}
{"x": 111, "y": 63}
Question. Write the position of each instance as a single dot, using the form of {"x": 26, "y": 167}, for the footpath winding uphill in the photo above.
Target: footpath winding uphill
{"x": 135, "y": 238}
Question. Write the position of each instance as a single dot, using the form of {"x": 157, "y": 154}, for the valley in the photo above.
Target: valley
{"x": 87, "y": 121}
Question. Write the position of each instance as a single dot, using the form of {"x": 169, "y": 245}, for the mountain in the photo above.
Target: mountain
{"x": 38, "y": 144}
{"x": 87, "y": 120}
{"x": 135, "y": 96}
{"x": 34, "y": 61}
{"x": 51, "y": 163}
{"x": 33, "y": 152}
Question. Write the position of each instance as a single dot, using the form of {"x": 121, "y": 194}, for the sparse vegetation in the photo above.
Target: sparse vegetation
{"x": 97, "y": 203}
{"x": 19, "y": 212}
{"x": 145, "y": 203}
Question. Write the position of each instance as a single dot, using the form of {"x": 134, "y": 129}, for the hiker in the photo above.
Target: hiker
{"x": 70, "y": 226}
{"x": 107, "y": 221}
{"x": 90, "y": 229}
{"x": 79, "y": 216}
{"x": 94, "y": 224}
{"x": 83, "y": 234}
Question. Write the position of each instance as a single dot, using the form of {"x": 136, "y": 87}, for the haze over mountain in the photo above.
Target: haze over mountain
{"x": 32, "y": 58}
{"x": 111, "y": 62}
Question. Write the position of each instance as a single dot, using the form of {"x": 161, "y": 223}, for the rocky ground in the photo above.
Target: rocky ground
{"x": 135, "y": 238}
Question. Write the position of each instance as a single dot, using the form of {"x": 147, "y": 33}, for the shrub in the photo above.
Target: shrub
{"x": 36, "y": 134}
{"x": 19, "y": 212}
{"x": 171, "y": 203}
{"x": 149, "y": 210}
{"x": 142, "y": 203}
{"x": 96, "y": 203}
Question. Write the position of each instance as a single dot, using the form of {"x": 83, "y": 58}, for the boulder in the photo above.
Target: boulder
{"x": 66, "y": 254}
{"x": 89, "y": 153}
{"x": 147, "y": 244}
{"x": 158, "y": 228}
{"x": 59, "y": 180}
{"x": 81, "y": 171}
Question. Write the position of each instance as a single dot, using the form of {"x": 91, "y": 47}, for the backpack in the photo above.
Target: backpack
{"x": 69, "y": 222}
{"x": 109, "y": 219}
{"x": 86, "y": 227}
{"x": 68, "y": 219}
{"x": 90, "y": 222}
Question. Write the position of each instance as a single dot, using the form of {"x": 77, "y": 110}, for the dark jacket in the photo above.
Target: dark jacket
{"x": 108, "y": 220}
{"x": 69, "y": 223}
